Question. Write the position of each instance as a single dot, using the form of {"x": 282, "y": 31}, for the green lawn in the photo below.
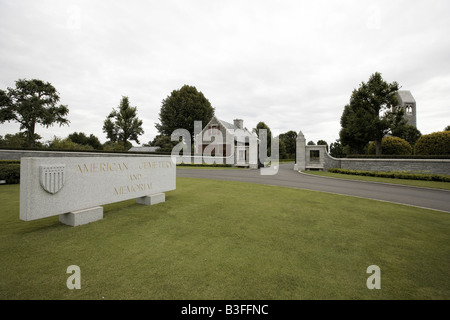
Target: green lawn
{"x": 229, "y": 240}
{"x": 406, "y": 182}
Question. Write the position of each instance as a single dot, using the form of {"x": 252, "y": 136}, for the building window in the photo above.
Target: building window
{"x": 314, "y": 155}
{"x": 408, "y": 109}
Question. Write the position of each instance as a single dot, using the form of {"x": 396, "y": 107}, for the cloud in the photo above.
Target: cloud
{"x": 291, "y": 64}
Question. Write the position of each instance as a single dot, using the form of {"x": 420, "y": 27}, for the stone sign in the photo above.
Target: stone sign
{"x": 75, "y": 187}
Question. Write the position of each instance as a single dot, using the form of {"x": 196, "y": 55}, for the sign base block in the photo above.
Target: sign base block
{"x": 152, "y": 199}
{"x": 80, "y": 217}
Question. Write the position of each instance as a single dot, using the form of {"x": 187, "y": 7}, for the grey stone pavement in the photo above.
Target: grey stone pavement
{"x": 287, "y": 177}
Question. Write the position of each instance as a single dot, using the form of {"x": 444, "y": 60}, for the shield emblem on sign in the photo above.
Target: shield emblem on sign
{"x": 52, "y": 178}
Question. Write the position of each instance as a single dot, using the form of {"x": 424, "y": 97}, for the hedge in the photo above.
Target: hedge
{"x": 10, "y": 171}
{"x": 392, "y": 146}
{"x": 433, "y": 143}
{"x": 393, "y": 174}
{"x": 9, "y": 162}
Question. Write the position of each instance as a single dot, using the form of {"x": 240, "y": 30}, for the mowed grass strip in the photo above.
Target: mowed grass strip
{"x": 229, "y": 240}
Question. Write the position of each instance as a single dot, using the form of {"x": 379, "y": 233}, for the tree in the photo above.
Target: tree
{"x": 372, "y": 113}
{"x": 18, "y": 140}
{"x": 181, "y": 109}
{"x": 352, "y": 138}
{"x": 311, "y": 143}
{"x": 336, "y": 149}
{"x": 164, "y": 143}
{"x": 447, "y": 128}
{"x": 282, "y": 149}
{"x": 262, "y": 126}
{"x": 289, "y": 139}
{"x": 82, "y": 139}
{"x": 67, "y": 144}
{"x": 407, "y": 132}
{"x": 32, "y": 102}
{"x": 322, "y": 143}
{"x": 123, "y": 124}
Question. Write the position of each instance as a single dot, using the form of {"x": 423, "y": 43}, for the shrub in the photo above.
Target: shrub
{"x": 392, "y": 146}
{"x": 437, "y": 143}
{"x": 67, "y": 144}
{"x": 393, "y": 174}
{"x": 10, "y": 171}
{"x": 115, "y": 146}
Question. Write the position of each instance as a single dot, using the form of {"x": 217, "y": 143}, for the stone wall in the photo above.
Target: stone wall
{"x": 331, "y": 162}
{"x": 436, "y": 166}
{"x": 306, "y": 159}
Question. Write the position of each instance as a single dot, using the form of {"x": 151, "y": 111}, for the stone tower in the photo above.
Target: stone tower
{"x": 408, "y": 103}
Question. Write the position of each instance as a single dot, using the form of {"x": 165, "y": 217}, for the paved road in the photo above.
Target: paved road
{"x": 287, "y": 177}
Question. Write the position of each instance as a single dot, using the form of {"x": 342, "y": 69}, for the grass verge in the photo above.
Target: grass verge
{"x": 229, "y": 240}
{"x": 414, "y": 183}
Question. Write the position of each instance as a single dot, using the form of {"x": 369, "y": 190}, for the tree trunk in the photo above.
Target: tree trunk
{"x": 30, "y": 141}
{"x": 30, "y": 134}
{"x": 378, "y": 148}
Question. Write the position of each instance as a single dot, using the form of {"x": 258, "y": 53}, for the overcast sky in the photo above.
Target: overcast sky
{"x": 291, "y": 64}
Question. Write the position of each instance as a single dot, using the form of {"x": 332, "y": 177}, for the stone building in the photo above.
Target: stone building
{"x": 408, "y": 103}
{"x": 235, "y": 143}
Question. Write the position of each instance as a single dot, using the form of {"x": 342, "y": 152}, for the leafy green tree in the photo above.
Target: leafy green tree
{"x": 311, "y": 143}
{"x": 262, "y": 126}
{"x": 289, "y": 139}
{"x": 353, "y": 139}
{"x": 282, "y": 149}
{"x": 123, "y": 125}
{"x": 447, "y": 128}
{"x": 164, "y": 143}
{"x": 82, "y": 139}
{"x": 32, "y": 102}
{"x": 336, "y": 149}
{"x": 67, "y": 144}
{"x": 181, "y": 108}
{"x": 407, "y": 132}
{"x": 372, "y": 113}
{"x": 322, "y": 143}
{"x": 18, "y": 140}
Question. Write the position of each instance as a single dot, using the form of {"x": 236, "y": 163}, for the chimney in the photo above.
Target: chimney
{"x": 239, "y": 123}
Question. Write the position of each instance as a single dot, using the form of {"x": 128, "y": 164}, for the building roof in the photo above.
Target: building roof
{"x": 229, "y": 126}
{"x": 406, "y": 96}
